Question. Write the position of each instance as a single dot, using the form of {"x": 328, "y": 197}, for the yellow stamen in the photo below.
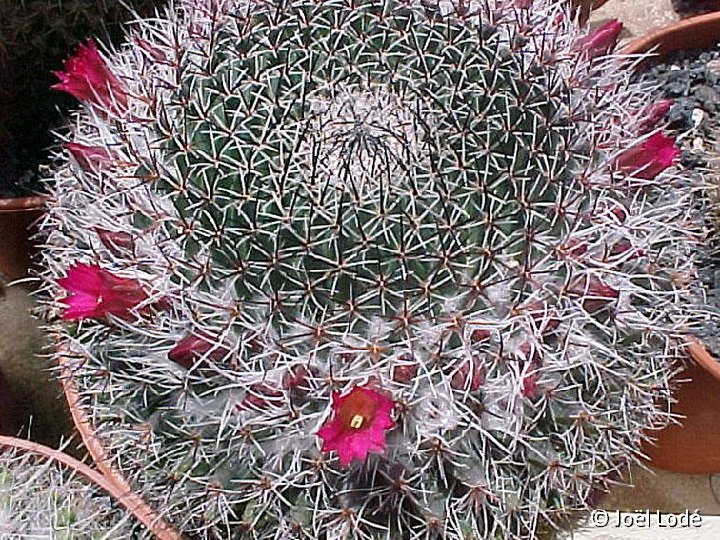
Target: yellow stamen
{"x": 357, "y": 421}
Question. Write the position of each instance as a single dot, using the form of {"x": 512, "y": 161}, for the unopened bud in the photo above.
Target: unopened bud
{"x": 467, "y": 374}
{"x": 117, "y": 242}
{"x": 405, "y": 372}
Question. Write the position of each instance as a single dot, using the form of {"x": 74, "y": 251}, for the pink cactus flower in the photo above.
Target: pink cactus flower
{"x": 652, "y": 114}
{"x": 649, "y": 158}
{"x": 96, "y": 293}
{"x": 88, "y": 78}
{"x": 602, "y": 40}
{"x": 358, "y": 424}
{"x": 89, "y": 158}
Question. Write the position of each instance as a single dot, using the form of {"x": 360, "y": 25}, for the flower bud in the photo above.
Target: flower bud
{"x": 405, "y": 372}
{"x": 479, "y": 335}
{"x": 192, "y": 347}
{"x": 89, "y": 158}
{"x": 467, "y": 374}
{"x": 625, "y": 250}
{"x": 297, "y": 380}
{"x": 649, "y": 158}
{"x": 600, "y": 41}
{"x": 261, "y": 396}
{"x": 118, "y": 243}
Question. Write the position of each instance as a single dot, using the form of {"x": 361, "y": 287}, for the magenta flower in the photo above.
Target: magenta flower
{"x": 96, "y": 293}
{"x": 602, "y": 40}
{"x": 89, "y": 158}
{"x": 358, "y": 424}
{"x": 88, "y": 78}
{"x": 649, "y": 158}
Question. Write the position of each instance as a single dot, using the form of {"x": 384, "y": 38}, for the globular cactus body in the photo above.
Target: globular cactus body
{"x": 369, "y": 269}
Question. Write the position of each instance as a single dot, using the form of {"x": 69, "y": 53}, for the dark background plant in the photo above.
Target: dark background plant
{"x": 36, "y": 36}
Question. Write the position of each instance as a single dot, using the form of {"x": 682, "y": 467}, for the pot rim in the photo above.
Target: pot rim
{"x": 133, "y": 502}
{"x": 693, "y": 29}
{"x": 126, "y": 499}
{"x": 23, "y": 204}
{"x": 702, "y": 357}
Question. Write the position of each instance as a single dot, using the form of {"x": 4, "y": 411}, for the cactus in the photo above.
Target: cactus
{"x": 42, "y": 496}
{"x": 395, "y": 269}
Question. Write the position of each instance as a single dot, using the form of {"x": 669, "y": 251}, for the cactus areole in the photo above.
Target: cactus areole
{"x": 341, "y": 269}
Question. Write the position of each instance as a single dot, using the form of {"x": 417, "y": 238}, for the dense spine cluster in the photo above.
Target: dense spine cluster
{"x": 383, "y": 269}
{"x": 43, "y": 498}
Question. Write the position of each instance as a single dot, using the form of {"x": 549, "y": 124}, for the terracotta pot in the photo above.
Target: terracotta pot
{"x": 17, "y": 217}
{"x": 146, "y": 515}
{"x": 586, "y": 6}
{"x": 694, "y": 33}
{"x": 694, "y": 446}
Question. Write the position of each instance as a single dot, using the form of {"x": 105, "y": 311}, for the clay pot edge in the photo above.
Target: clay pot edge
{"x": 125, "y": 498}
{"x": 23, "y": 204}
{"x": 133, "y": 502}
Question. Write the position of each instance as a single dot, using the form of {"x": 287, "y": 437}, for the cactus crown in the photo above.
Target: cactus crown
{"x": 283, "y": 215}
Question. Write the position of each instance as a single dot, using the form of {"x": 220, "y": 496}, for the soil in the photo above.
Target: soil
{"x": 692, "y": 80}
